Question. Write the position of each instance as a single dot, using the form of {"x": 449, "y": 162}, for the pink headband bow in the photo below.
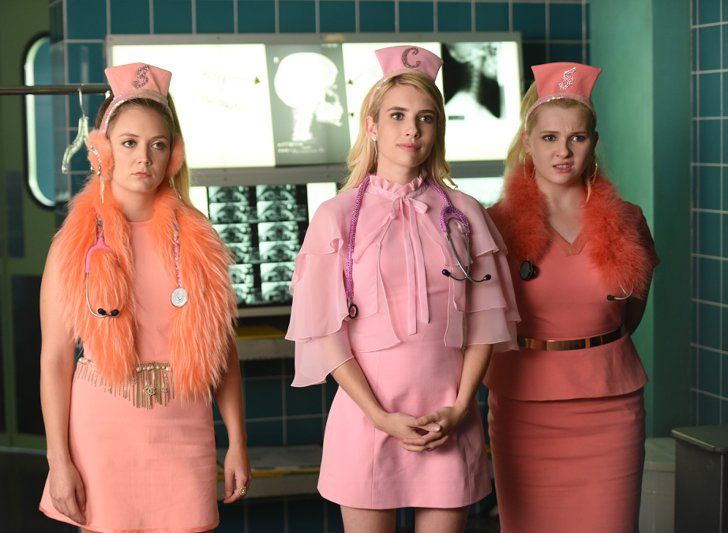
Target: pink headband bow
{"x": 572, "y": 81}
{"x": 133, "y": 81}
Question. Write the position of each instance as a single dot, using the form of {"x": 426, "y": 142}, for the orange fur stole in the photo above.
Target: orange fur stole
{"x": 620, "y": 243}
{"x": 201, "y": 331}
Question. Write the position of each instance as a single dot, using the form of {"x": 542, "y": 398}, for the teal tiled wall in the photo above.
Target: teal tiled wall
{"x": 276, "y": 413}
{"x": 710, "y": 210}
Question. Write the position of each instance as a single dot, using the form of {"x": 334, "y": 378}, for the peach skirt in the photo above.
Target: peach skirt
{"x": 568, "y": 465}
{"x": 143, "y": 470}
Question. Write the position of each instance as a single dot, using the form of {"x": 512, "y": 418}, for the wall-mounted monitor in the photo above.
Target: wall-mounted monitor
{"x": 261, "y": 108}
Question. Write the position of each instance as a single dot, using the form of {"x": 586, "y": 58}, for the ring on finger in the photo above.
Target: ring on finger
{"x": 242, "y": 490}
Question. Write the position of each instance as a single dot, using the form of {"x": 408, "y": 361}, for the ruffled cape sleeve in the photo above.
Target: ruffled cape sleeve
{"x": 491, "y": 314}
{"x": 319, "y": 308}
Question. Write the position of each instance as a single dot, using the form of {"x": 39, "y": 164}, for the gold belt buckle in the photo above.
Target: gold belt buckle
{"x": 571, "y": 344}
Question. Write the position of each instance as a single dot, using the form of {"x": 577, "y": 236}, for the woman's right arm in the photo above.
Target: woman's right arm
{"x": 56, "y": 375}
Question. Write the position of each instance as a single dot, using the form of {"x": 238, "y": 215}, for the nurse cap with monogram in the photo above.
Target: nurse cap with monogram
{"x": 134, "y": 81}
{"x": 556, "y": 81}
{"x": 396, "y": 60}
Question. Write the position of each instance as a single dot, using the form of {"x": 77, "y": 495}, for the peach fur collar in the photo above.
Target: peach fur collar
{"x": 200, "y": 332}
{"x": 609, "y": 225}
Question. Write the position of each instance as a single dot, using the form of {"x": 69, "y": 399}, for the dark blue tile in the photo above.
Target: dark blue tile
{"x": 297, "y": 16}
{"x": 709, "y": 40}
{"x": 416, "y": 16}
{"x": 55, "y": 19}
{"x": 530, "y": 20}
{"x": 376, "y": 16}
{"x": 708, "y": 410}
{"x": 304, "y": 400}
{"x": 304, "y": 431}
{"x": 709, "y": 95}
{"x": 724, "y": 377}
{"x": 308, "y": 515}
{"x": 709, "y": 279}
{"x": 533, "y": 54}
{"x": 256, "y": 16}
{"x": 172, "y": 16}
{"x": 215, "y": 16}
{"x": 709, "y": 188}
{"x": 85, "y": 19}
{"x": 337, "y": 16}
{"x": 454, "y": 16}
{"x": 709, "y": 142}
{"x": 694, "y": 94}
{"x": 565, "y": 21}
{"x": 725, "y": 93}
{"x": 264, "y": 433}
{"x": 491, "y": 17}
{"x": 566, "y": 52}
{"x": 724, "y": 252}
{"x": 709, "y": 326}
{"x": 86, "y": 63}
{"x": 263, "y": 398}
{"x": 121, "y": 22}
{"x": 694, "y": 48}
{"x": 725, "y": 141}
{"x": 725, "y": 194}
{"x": 708, "y": 11}
{"x": 266, "y": 516}
{"x": 724, "y": 330}
{"x": 709, "y": 236}
{"x": 263, "y": 368}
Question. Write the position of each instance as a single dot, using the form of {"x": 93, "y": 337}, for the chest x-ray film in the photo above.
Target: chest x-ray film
{"x": 482, "y": 99}
{"x": 222, "y": 99}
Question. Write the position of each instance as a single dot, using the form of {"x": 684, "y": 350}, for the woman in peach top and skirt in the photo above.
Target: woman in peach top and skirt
{"x": 139, "y": 278}
{"x": 566, "y": 413}
{"x": 380, "y": 302}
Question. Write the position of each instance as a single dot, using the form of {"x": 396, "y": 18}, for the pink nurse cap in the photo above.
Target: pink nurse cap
{"x": 572, "y": 81}
{"x": 398, "y": 59}
{"x": 133, "y": 81}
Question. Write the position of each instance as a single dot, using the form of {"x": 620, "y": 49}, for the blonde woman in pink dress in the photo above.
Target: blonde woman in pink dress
{"x": 139, "y": 277}
{"x": 381, "y": 303}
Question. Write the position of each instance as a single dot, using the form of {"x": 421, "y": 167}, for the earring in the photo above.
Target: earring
{"x": 594, "y": 174}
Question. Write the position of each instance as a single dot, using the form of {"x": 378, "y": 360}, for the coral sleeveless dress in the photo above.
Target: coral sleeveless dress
{"x": 142, "y": 469}
{"x": 406, "y": 307}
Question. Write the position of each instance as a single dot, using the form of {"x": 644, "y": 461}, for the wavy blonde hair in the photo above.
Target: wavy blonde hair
{"x": 517, "y": 152}
{"x": 181, "y": 180}
{"x": 362, "y": 159}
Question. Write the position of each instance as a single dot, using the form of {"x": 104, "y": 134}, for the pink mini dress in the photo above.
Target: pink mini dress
{"x": 408, "y": 339}
{"x": 143, "y": 470}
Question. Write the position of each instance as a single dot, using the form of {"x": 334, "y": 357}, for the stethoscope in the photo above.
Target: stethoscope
{"x": 529, "y": 271}
{"x": 179, "y": 296}
{"x": 448, "y": 213}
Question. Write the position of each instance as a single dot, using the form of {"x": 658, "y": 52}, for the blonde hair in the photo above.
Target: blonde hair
{"x": 181, "y": 180}
{"x": 517, "y": 152}
{"x": 362, "y": 159}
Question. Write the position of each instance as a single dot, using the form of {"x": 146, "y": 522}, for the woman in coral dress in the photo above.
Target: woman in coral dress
{"x": 566, "y": 415}
{"x": 139, "y": 278}
{"x": 407, "y": 344}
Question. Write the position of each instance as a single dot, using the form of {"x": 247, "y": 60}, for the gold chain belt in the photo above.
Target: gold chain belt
{"x": 151, "y": 383}
{"x": 572, "y": 344}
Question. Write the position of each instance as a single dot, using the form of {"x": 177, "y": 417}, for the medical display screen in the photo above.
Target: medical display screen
{"x": 276, "y": 105}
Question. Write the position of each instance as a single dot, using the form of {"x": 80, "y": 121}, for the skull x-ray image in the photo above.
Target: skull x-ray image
{"x": 308, "y": 103}
{"x": 231, "y": 213}
{"x": 276, "y": 252}
{"x": 278, "y": 231}
{"x": 242, "y": 274}
{"x": 478, "y": 79}
{"x": 279, "y": 211}
{"x": 229, "y": 195}
{"x": 275, "y": 292}
{"x": 276, "y": 272}
{"x": 235, "y": 233}
{"x": 276, "y": 193}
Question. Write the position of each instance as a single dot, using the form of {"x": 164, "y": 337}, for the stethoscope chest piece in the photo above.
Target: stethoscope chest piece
{"x": 528, "y": 271}
{"x": 179, "y": 297}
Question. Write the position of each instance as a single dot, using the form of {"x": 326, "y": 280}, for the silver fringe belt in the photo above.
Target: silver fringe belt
{"x": 151, "y": 383}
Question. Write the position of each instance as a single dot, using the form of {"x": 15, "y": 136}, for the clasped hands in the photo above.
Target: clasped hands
{"x": 425, "y": 433}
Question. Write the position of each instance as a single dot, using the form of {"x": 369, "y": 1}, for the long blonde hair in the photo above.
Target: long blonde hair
{"x": 181, "y": 180}
{"x": 517, "y": 152}
{"x": 362, "y": 159}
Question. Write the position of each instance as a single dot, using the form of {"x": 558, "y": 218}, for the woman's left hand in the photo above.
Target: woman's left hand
{"x": 237, "y": 473}
{"x": 446, "y": 417}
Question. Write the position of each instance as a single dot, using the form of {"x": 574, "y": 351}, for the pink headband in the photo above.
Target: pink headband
{"x": 555, "y": 81}
{"x": 396, "y": 60}
{"x": 134, "y": 81}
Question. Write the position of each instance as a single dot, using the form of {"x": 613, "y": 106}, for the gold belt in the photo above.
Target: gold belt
{"x": 572, "y": 344}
